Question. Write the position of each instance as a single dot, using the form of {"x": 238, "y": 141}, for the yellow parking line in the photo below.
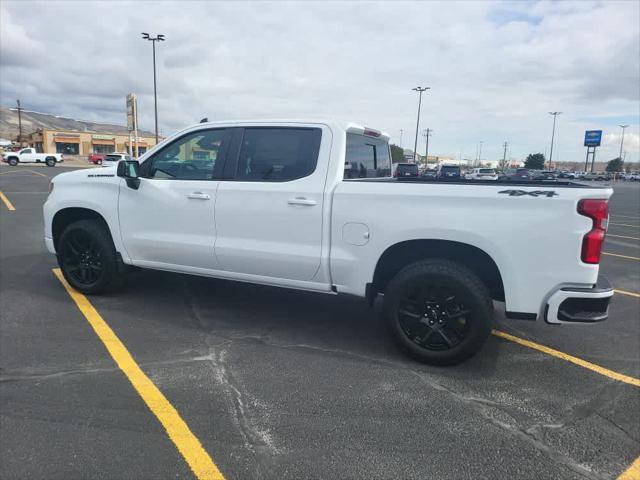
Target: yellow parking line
{"x": 623, "y": 236}
{"x": 6, "y": 201}
{"x": 624, "y": 292}
{"x": 624, "y": 225}
{"x": 178, "y": 431}
{"x": 629, "y": 257}
{"x": 633, "y": 472}
{"x": 569, "y": 358}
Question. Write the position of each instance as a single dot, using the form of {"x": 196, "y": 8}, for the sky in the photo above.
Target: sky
{"x": 495, "y": 69}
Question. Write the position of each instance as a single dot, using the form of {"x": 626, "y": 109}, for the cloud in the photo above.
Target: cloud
{"x": 495, "y": 68}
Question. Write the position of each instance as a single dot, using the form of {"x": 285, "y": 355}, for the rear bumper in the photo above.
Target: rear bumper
{"x": 579, "y": 305}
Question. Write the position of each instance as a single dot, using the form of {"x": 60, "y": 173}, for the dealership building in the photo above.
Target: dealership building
{"x": 71, "y": 142}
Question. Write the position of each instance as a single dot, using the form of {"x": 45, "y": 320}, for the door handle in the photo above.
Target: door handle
{"x": 302, "y": 201}
{"x": 199, "y": 196}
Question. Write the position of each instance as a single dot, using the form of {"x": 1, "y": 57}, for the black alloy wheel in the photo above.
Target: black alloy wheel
{"x": 82, "y": 258}
{"x": 433, "y": 317}
{"x": 438, "y": 311}
{"x": 88, "y": 258}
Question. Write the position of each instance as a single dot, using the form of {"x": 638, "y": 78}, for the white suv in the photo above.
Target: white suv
{"x": 482, "y": 174}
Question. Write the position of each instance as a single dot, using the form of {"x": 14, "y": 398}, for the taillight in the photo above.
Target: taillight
{"x": 598, "y": 211}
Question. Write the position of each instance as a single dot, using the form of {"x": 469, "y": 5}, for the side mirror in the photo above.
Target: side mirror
{"x": 130, "y": 171}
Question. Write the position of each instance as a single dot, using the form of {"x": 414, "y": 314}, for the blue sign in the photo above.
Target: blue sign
{"x": 592, "y": 138}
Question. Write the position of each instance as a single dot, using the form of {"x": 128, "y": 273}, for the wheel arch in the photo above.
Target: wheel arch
{"x": 66, "y": 216}
{"x": 401, "y": 254}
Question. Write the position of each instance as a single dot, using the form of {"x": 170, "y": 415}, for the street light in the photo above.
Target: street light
{"x": 553, "y": 133}
{"x": 415, "y": 145}
{"x": 622, "y": 140}
{"x": 153, "y": 40}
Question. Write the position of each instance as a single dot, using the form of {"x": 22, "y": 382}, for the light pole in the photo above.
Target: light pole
{"x": 553, "y": 133}
{"x": 622, "y": 140}
{"x": 480, "y": 153}
{"x": 153, "y": 40}
{"x": 401, "y": 132}
{"x": 415, "y": 145}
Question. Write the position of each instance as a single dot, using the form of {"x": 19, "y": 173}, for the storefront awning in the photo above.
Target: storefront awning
{"x": 103, "y": 142}
{"x": 67, "y": 139}
{"x": 141, "y": 143}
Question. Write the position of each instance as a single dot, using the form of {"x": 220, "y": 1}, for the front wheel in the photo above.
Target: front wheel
{"x": 438, "y": 311}
{"x": 87, "y": 257}
{"x": 50, "y": 161}
{"x": 13, "y": 161}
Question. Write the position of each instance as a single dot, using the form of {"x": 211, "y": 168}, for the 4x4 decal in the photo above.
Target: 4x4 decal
{"x": 534, "y": 193}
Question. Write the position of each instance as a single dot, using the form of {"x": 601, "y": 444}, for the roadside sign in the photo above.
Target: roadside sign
{"x": 592, "y": 138}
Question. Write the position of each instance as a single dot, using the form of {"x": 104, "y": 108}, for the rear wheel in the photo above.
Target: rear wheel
{"x": 50, "y": 161}
{"x": 87, "y": 257}
{"x": 438, "y": 311}
{"x": 13, "y": 161}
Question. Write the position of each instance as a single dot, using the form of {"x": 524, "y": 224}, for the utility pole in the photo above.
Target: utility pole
{"x": 153, "y": 40}
{"x": 480, "y": 153}
{"x": 401, "y": 131}
{"x": 426, "y": 134}
{"x": 19, "y": 123}
{"x": 553, "y": 133}
{"x": 622, "y": 140}
{"x": 504, "y": 155}
{"x": 415, "y": 145}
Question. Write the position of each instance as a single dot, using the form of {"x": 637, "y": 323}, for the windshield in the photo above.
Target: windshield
{"x": 450, "y": 168}
{"x": 487, "y": 170}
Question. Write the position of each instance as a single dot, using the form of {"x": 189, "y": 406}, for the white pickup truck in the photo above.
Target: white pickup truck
{"x": 29, "y": 155}
{"x": 313, "y": 206}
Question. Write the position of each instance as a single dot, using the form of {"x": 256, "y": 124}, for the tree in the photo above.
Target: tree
{"x": 615, "y": 165}
{"x": 535, "y": 161}
{"x": 397, "y": 154}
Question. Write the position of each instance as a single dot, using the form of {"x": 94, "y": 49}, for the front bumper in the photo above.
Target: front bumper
{"x": 579, "y": 305}
{"x": 48, "y": 241}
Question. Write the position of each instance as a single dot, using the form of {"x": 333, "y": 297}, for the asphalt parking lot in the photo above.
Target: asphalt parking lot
{"x": 282, "y": 384}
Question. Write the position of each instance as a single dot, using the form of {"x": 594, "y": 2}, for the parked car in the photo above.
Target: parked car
{"x": 237, "y": 189}
{"x": 96, "y": 158}
{"x": 544, "y": 174}
{"x": 114, "y": 158}
{"x": 29, "y": 155}
{"x": 403, "y": 170}
{"x": 482, "y": 174}
{"x": 595, "y": 176}
{"x": 518, "y": 174}
{"x": 567, "y": 175}
{"x": 430, "y": 174}
{"x": 448, "y": 172}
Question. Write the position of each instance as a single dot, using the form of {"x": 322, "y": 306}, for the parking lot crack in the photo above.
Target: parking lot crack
{"x": 498, "y": 416}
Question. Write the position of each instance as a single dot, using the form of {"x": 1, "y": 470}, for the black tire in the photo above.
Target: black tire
{"x": 13, "y": 161}
{"x": 438, "y": 311}
{"x": 87, "y": 257}
{"x": 99, "y": 162}
{"x": 50, "y": 161}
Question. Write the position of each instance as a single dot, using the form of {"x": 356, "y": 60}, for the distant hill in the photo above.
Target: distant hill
{"x": 31, "y": 121}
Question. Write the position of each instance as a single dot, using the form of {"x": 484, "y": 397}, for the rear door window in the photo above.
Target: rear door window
{"x": 278, "y": 154}
{"x": 366, "y": 157}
